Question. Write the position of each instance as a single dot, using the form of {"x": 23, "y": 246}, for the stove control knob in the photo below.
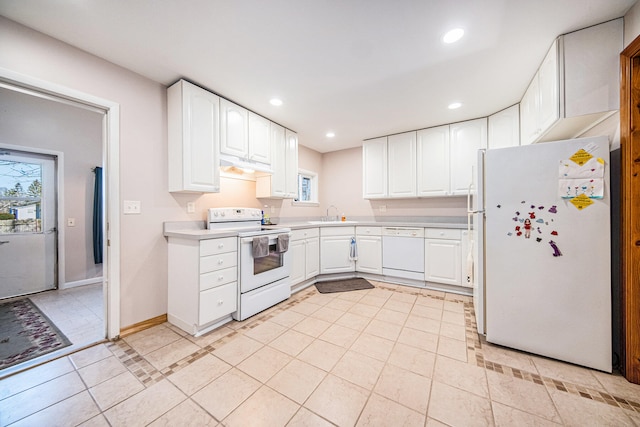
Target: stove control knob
{"x": 215, "y": 213}
{"x": 222, "y": 213}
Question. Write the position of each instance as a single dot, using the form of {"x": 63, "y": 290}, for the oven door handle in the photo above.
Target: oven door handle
{"x": 272, "y": 238}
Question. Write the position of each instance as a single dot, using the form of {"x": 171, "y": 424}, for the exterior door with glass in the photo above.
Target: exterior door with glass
{"x": 28, "y": 217}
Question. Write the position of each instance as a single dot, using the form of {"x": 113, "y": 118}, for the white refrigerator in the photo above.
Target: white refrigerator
{"x": 541, "y": 257}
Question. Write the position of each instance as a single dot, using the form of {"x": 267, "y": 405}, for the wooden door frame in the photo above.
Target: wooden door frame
{"x": 630, "y": 209}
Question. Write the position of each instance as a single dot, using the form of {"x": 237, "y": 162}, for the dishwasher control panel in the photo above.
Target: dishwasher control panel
{"x": 403, "y": 231}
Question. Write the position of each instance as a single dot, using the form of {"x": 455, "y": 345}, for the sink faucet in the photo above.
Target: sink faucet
{"x": 335, "y": 218}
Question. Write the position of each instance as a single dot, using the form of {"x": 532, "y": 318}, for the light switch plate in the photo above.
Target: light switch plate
{"x": 191, "y": 207}
{"x": 131, "y": 207}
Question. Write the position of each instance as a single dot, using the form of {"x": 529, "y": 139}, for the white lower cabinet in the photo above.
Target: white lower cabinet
{"x": 443, "y": 254}
{"x": 305, "y": 251}
{"x": 335, "y": 247}
{"x": 369, "y": 243}
{"x": 203, "y": 282}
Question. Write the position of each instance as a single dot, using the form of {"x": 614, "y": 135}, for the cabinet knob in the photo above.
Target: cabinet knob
{"x": 442, "y": 233}
{"x": 221, "y": 277}
{"x": 220, "y": 302}
{"x": 220, "y": 245}
{"x": 220, "y": 262}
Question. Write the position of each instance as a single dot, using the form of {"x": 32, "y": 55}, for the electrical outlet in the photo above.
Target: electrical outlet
{"x": 71, "y": 222}
{"x": 131, "y": 207}
{"x": 191, "y": 207}
{"x": 273, "y": 209}
{"x": 383, "y": 208}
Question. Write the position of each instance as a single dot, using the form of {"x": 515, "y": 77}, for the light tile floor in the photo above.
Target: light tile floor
{"x": 389, "y": 356}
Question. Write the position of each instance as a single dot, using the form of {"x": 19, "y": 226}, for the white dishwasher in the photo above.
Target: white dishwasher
{"x": 403, "y": 252}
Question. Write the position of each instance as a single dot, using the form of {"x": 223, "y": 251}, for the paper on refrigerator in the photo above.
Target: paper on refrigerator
{"x": 586, "y": 177}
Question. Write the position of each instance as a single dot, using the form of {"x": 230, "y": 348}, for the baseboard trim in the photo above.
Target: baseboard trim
{"x": 83, "y": 282}
{"x": 141, "y": 326}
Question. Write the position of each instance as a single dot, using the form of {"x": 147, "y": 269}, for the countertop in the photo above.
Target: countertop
{"x": 196, "y": 230}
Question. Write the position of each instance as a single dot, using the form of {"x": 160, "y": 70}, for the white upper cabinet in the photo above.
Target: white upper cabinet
{"x": 504, "y": 128}
{"x": 374, "y": 168}
{"x": 564, "y": 100}
{"x": 433, "y": 161}
{"x": 283, "y": 182}
{"x": 402, "y": 164}
{"x": 259, "y": 139}
{"x": 234, "y": 137}
{"x": 465, "y": 139}
{"x": 291, "y": 164}
{"x": 193, "y": 139}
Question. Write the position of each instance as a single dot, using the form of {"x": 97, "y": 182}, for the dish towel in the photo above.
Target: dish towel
{"x": 353, "y": 251}
{"x": 260, "y": 246}
{"x": 282, "y": 245}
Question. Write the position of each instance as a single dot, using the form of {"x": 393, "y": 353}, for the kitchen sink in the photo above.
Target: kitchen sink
{"x": 332, "y": 222}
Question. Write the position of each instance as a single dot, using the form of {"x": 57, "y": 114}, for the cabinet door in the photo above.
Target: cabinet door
{"x": 369, "y": 254}
{"x": 374, "y": 168}
{"x": 433, "y": 161}
{"x": 334, "y": 255}
{"x": 548, "y": 81}
{"x": 402, "y": 164}
{"x": 298, "y": 261}
{"x": 291, "y": 164}
{"x": 442, "y": 261}
{"x": 529, "y": 113}
{"x": 466, "y": 260}
{"x": 278, "y": 161}
{"x": 259, "y": 143}
{"x": 194, "y": 142}
{"x": 312, "y": 257}
{"x": 466, "y": 138}
{"x": 233, "y": 132}
{"x": 504, "y": 128}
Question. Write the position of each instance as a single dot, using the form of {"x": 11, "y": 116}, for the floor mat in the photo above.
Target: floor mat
{"x": 343, "y": 285}
{"x": 25, "y": 333}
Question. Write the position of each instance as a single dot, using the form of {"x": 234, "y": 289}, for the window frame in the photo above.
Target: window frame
{"x": 313, "y": 183}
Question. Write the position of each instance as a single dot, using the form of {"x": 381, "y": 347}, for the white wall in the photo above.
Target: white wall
{"x": 632, "y": 24}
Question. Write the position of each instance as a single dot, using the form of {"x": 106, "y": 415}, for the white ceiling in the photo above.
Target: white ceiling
{"x": 359, "y": 68}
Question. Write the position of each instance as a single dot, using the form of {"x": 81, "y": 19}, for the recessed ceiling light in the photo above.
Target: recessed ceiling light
{"x": 454, "y": 105}
{"x": 275, "y": 101}
{"x": 330, "y": 134}
{"x": 453, "y": 36}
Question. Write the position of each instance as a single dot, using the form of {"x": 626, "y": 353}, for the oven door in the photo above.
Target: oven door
{"x": 257, "y": 272}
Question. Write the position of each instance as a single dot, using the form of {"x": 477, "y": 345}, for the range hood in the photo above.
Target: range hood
{"x": 247, "y": 166}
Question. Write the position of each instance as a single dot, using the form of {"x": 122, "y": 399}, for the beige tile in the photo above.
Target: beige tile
{"x": 419, "y": 339}
{"x": 506, "y": 416}
{"x": 264, "y": 363}
{"x": 521, "y": 394}
{"x": 210, "y": 337}
{"x": 175, "y": 329}
{"x": 305, "y": 308}
{"x": 34, "y": 376}
{"x": 39, "y": 397}
{"x": 312, "y": 326}
{"x": 617, "y": 385}
{"x": 423, "y": 324}
{"x": 151, "y": 339}
{"x": 380, "y": 411}
{"x": 264, "y": 408}
{"x": 72, "y": 411}
{"x": 322, "y": 354}
{"x": 238, "y": 349}
{"x": 382, "y": 329}
{"x": 185, "y": 414}
{"x": 146, "y": 406}
{"x": 116, "y": 390}
{"x": 354, "y": 296}
{"x": 171, "y": 353}
{"x": 265, "y": 332}
{"x": 402, "y": 307}
{"x": 226, "y": 393}
{"x": 364, "y": 310}
{"x": 339, "y": 335}
{"x": 373, "y": 300}
{"x": 370, "y": 345}
{"x": 288, "y": 318}
{"x": 380, "y": 293}
{"x": 461, "y": 375}
{"x": 358, "y": 369}
{"x": 353, "y": 321}
{"x": 413, "y": 359}
{"x": 291, "y": 342}
{"x": 435, "y": 423}
{"x": 404, "y": 387}
{"x": 297, "y": 380}
{"x": 429, "y": 301}
{"x": 456, "y": 407}
{"x": 404, "y": 297}
{"x": 201, "y": 372}
{"x": 328, "y": 314}
{"x": 566, "y": 372}
{"x": 341, "y": 304}
{"x": 391, "y": 316}
{"x": 430, "y": 312}
{"x": 101, "y": 371}
{"x": 456, "y": 307}
{"x": 97, "y": 421}
{"x": 450, "y": 330}
{"x": 508, "y": 357}
{"x": 452, "y": 348}
{"x": 306, "y": 418}
{"x": 579, "y": 411}
{"x": 338, "y": 401}
{"x": 321, "y": 299}
{"x": 432, "y": 293}
{"x": 90, "y": 355}
{"x": 452, "y": 317}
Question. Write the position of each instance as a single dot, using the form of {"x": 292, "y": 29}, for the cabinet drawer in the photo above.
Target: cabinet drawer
{"x": 218, "y": 262}
{"x": 338, "y": 231}
{"x": 369, "y": 231}
{"x": 442, "y": 233}
{"x": 218, "y": 246}
{"x": 218, "y": 277}
{"x": 305, "y": 233}
{"x": 218, "y": 302}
